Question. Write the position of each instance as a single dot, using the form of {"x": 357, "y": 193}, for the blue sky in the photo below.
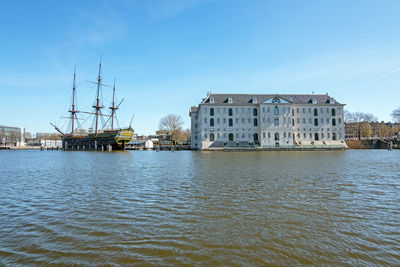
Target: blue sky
{"x": 166, "y": 55}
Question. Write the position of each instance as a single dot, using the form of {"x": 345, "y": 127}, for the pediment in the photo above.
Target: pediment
{"x": 277, "y": 100}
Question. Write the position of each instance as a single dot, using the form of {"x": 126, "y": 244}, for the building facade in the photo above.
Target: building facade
{"x": 267, "y": 121}
{"x": 11, "y": 135}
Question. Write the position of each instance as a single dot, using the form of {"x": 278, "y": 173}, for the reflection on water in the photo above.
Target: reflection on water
{"x": 211, "y": 207}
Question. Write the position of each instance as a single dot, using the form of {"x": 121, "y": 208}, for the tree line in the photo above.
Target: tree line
{"x": 173, "y": 125}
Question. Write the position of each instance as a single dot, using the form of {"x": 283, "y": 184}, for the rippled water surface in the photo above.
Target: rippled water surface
{"x": 212, "y": 208}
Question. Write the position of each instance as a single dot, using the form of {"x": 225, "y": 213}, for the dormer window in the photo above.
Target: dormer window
{"x": 314, "y": 100}
{"x": 211, "y": 99}
{"x": 254, "y": 100}
{"x": 229, "y": 100}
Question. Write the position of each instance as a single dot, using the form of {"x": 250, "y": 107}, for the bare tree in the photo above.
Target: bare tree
{"x": 359, "y": 117}
{"x": 186, "y": 134}
{"x": 171, "y": 123}
{"x": 366, "y": 129}
{"x": 396, "y": 115}
{"x": 348, "y": 117}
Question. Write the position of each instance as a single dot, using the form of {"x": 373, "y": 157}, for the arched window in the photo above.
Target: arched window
{"x": 334, "y": 136}
{"x": 255, "y": 122}
{"x": 230, "y": 122}
{"x": 212, "y": 138}
{"x": 211, "y": 112}
{"x": 276, "y": 110}
{"x": 231, "y": 137}
{"x": 276, "y": 122}
{"x": 276, "y": 136}
{"x": 316, "y": 137}
{"x": 315, "y": 122}
{"x": 230, "y": 112}
{"x": 333, "y": 122}
{"x": 333, "y": 112}
{"x": 255, "y": 112}
{"x": 212, "y": 122}
{"x": 315, "y": 112}
{"x": 255, "y": 136}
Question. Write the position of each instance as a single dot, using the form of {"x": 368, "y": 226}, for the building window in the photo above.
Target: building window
{"x": 218, "y": 120}
{"x": 254, "y": 112}
{"x": 333, "y": 112}
{"x": 263, "y": 109}
{"x": 231, "y": 137}
{"x": 316, "y": 137}
{"x": 237, "y": 135}
{"x": 230, "y": 112}
{"x": 205, "y": 136}
{"x": 322, "y": 135}
{"x": 268, "y": 110}
{"x": 310, "y": 120}
{"x": 304, "y": 110}
{"x": 304, "y": 120}
{"x": 242, "y": 135}
{"x": 212, "y": 137}
{"x": 289, "y": 135}
{"x": 212, "y": 122}
{"x": 195, "y": 125}
{"x": 309, "y": 110}
{"x": 297, "y": 110}
{"x": 263, "y": 119}
{"x": 249, "y": 120}
{"x": 284, "y": 110}
{"x": 329, "y": 135}
{"x": 254, "y": 100}
{"x": 322, "y": 120}
{"x": 276, "y": 122}
{"x": 269, "y": 135}
{"x": 334, "y": 136}
{"x": 230, "y": 122}
{"x": 263, "y": 134}
{"x": 292, "y": 122}
{"x": 255, "y": 122}
{"x": 255, "y": 137}
{"x": 315, "y": 112}
{"x": 211, "y": 112}
{"x": 224, "y": 120}
{"x": 230, "y": 100}
{"x": 305, "y": 136}
{"x": 292, "y": 111}
{"x": 315, "y": 122}
{"x": 340, "y": 120}
{"x": 205, "y": 120}
{"x": 276, "y": 110}
{"x": 211, "y": 99}
{"x": 284, "y": 134}
{"x": 237, "y": 120}
{"x": 276, "y": 136}
{"x": 242, "y": 120}
{"x": 333, "y": 122}
{"x": 298, "y": 120}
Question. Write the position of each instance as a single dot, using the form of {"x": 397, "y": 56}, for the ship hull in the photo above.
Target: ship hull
{"x": 103, "y": 141}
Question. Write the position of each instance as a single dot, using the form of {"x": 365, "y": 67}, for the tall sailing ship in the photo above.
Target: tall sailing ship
{"x": 95, "y": 139}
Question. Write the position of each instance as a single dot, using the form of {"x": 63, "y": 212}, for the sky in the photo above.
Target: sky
{"x": 166, "y": 55}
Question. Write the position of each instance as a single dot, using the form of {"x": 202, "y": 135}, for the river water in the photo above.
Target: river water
{"x": 208, "y": 208}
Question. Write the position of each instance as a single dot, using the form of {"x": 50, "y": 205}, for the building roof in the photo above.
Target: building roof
{"x": 241, "y": 99}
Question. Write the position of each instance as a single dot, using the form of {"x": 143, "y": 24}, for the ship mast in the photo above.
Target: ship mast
{"x": 73, "y": 111}
{"x": 113, "y": 108}
{"x": 98, "y": 107}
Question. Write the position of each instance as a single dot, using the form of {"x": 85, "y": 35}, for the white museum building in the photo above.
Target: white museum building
{"x": 258, "y": 121}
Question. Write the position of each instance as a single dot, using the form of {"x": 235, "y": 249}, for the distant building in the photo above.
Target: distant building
{"x": 11, "y": 135}
{"x": 378, "y": 130}
{"x": 267, "y": 121}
